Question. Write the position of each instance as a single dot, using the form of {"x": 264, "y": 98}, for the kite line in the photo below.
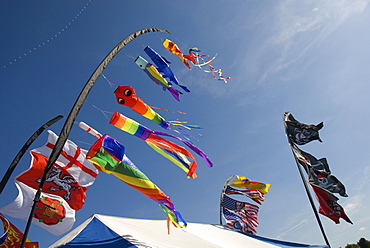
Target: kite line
{"x": 48, "y": 40}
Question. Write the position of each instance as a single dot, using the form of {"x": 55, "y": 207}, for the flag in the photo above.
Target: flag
{"x": 6, "y": 224}
{"x": 52, "y": 213}
{"x": 254, "y": 194}
{"x": 58, "y": 182}
{"x": 234, "y": 221}
{"x": 318, "y": 172}
{"x": 244, "y": 182}
{"x": 72, "y": 158}
{"x": 301, "y": 133}
{"x": 326, "y": 181}
{"x": 247, "y": 211}
{"x": 329, "y": 205}
{"x": 307, "y": 160}
{"x": 12, "y": 236}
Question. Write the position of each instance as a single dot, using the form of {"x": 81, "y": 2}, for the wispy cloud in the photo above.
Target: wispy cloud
{"x": 294, "y": 27}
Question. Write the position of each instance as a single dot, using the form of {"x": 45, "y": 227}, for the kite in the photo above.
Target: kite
{"x": 126, "y": 95}
{"x": 173, "y": 48}
{"x": 163, "y": 67}
{"x": 244, "y": 182}
{"x": 175, "y": 153}
{"x": 197, "y": 59}
{"x": 200, "y": 62}
{"x": 154, "y": 74}
{"x": 109, "y": 156}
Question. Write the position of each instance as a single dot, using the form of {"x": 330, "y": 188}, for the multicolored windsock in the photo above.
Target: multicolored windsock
{"x": 109, "y": 155}
{"x": 175, "y": 153}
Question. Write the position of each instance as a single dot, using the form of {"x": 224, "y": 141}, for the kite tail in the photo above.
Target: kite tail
{"x": 184, "y": 88}
{"x": 179, "y": 153}
{"x": 188, "y": 144}
{"x": 174, "y": 216}
{"x": 175, "y": 93}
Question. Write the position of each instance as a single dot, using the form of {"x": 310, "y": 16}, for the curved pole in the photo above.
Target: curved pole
{"x": 23, "y": 150}
{"x": 222, "y": 196}
{"x": 63, "y": 136}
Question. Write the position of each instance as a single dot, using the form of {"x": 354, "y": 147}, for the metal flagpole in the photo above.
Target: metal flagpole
{"x": 222, "y": 196}
{"x": 306, "y": 186}
{"x": 23, "y": 150}
{"x": 63, "y": 136}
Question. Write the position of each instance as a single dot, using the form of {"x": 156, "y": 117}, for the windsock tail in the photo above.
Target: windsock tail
{"x": 175, "y": 93}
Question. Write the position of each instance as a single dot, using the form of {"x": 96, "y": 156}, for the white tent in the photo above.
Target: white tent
{"x": 109, "y": 231}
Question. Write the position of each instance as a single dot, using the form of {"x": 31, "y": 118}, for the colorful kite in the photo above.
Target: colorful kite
{"x": 196, "y": 58}
{"x": 244, "y": 182}
{"x": 126, "y": 95}
{"x": 201, "y": 61}
{"x": 175, "y": 153}
{"x": 154, "y": 75}
{"x": 163, "y": 67}
{"x": 173, "y": 48}
{"x": 109, "y": 155}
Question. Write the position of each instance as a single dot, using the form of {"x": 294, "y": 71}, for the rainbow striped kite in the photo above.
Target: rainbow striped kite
{"x": 126, "y": 95}
{"x": 109, "y": 155}
{"x": 175, "y": 153}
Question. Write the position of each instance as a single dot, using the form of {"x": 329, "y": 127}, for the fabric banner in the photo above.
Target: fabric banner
{"x": 319, "y": 172}
{"x": 329, "y": 205}
{"x": 244, "y": 182}
{"x": 52, "y": 213}
{"x": 72, "y": 158}
{"x": 58, "y": 182}
{"x": 301, "y": 133}
{"x": 254, "y": 194}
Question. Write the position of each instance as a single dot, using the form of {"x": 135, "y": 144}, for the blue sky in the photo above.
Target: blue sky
{"x": 307, "y": 57}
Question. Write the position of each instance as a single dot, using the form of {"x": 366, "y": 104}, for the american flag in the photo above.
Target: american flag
{"x": 244, "y": 213}
{"x": 234, "y": 221}
{"x": 254, "y": 194}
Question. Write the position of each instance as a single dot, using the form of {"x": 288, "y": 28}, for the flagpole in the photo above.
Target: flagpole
{"x": 306, "y": 186}
{"x": 222, "y": 196}
{"x": 23, "y": 150}
{"x": 63, "y": 136}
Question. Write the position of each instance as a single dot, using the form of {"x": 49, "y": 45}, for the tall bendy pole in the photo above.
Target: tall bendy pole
{"x": 306, "y": 186}
{"x": 63, "y": 136}
{"x": 23, "y": 150}
{"x": 222, "y": 196}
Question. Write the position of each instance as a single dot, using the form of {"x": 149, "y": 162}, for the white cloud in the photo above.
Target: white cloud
{"x": 294, "y": 27}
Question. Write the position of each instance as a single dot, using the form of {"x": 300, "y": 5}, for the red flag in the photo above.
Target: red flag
{"x": 58, "y": 182}
{"x": 14, "y": 236}
{"x": 329, "y": 205}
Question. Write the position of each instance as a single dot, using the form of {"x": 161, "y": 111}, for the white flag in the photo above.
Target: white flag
{"x": 52, "y": 213}
{"x": 73, "y": 158}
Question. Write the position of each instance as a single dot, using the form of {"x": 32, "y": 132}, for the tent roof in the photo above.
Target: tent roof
{"x": 109, "y": 231}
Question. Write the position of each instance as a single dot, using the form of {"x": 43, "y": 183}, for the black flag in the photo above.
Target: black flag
{"x": 301, "y": 133}
{"x": 318, "y": 172}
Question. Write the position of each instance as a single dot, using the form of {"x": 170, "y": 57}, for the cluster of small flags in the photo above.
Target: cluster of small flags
{"x": 241, "y": 215}
{"x": 323, "y": 183}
